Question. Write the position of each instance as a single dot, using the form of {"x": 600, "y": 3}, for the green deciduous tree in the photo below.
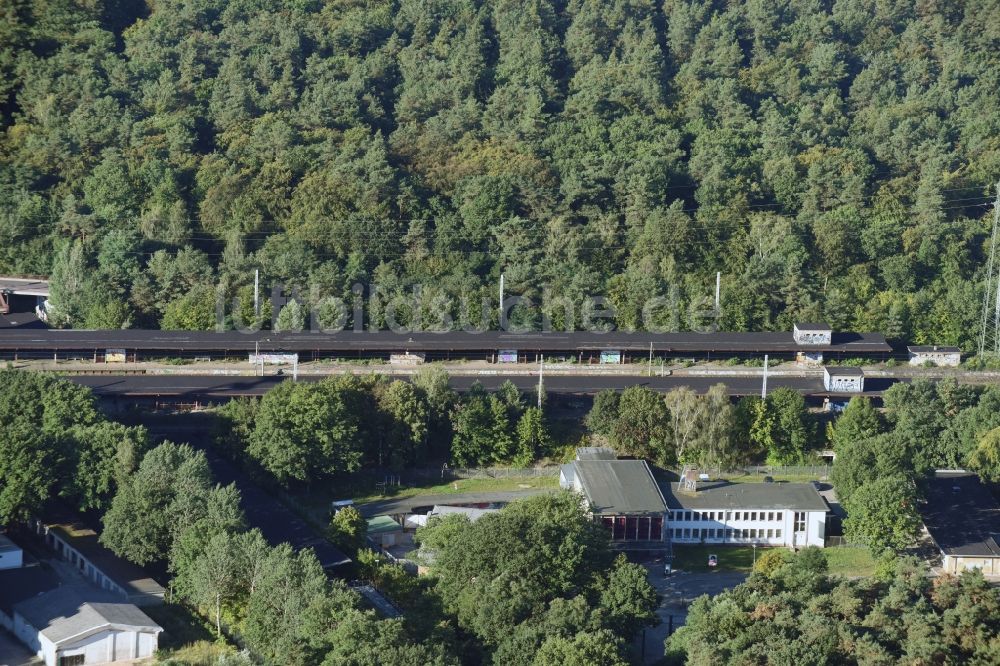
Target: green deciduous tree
{"x": 304, "y": 432}
{"x": 348, "y": 529}
{"x": 985, "y": 458}
{"x": 810, "y": 617}
{"x": 782, "y": 426}
{"x": 642, "y": 428}
{"x": 858, "y": 421}
{"x": 493, "y": 577}
{"x": 882, "y": 514}
{"x": 169, "y": 493}
{"x": 604, "y": 413}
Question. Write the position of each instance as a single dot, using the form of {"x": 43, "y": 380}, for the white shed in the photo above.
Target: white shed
{"x": 940, "y": 356}
{"x": 843, "y": 380}
{"x": 66, "y": 632}
{"x": 812, "y": 334}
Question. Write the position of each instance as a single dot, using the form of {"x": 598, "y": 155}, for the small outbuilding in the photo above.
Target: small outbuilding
{"x": 67, "y": 622}
{"x": 65, "y": 632}
{"x": 843, "y": 379}
{"x": 384, "y": 531}
{"x": 963, "y": 518}
{"x": 949, "y": 357}
{"x": 812, "y": 333}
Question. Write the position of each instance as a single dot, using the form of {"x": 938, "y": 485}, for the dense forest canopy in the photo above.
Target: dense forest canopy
{"x": 834, "y": 159}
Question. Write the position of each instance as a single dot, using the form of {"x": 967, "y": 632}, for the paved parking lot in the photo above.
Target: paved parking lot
{"x": 679, "y": 590}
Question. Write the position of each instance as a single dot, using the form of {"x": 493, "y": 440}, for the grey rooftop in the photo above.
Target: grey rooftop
{"x": 961, "y": 515}
{"x": 843, "y": 371}
{"x": 725, "y": 495}
{"x": 619, "y": 486}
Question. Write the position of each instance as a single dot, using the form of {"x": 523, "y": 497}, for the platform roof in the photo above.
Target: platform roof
{"x": 385, "y": 341}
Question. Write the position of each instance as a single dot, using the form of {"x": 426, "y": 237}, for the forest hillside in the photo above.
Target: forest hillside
{"x": 833, "y": 159}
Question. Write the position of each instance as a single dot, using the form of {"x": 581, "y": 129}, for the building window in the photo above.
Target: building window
{"x": 770, "y": 534}
{"x": 72, "y": 660}
{"x": 777, "y": 534}
{"x": 729, "y": 533}
{"x": 729, "y": 515}
{"x": 753, "y": 515}
{"x": 800, "y": 521}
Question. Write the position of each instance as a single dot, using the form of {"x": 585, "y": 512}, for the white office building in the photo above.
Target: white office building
{"x": 765, "y": 514}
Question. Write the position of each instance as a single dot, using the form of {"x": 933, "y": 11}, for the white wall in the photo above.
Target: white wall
{"x": 845, "y": 384}
{"x": 990, "y": 566}
{"x": 943, "y": 359}
{"x": 766, "y": 519}
{"x": 147, "y": 644}
{"x": 112, "y": 645}
{"x": 11, "y": 559}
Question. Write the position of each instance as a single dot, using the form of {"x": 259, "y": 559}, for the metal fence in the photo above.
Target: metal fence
{"x": 501, "y": 472}
{"x": 839, "y": 542}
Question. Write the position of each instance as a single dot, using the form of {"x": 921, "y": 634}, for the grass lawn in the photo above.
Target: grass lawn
{"x": 731, "y": 558}
{"x": 850, "y": 561}
{"x": 186, "y": 638}
{"x": 315, "y": 505}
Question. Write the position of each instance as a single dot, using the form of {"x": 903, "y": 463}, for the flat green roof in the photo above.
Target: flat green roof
{"x": 382, "y": 525}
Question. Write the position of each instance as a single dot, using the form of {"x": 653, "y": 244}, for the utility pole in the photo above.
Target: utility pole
{"x": 256, "y": 293}
{"x": 541, "y": 369}
{"x": 989, "y": 333}
{"x": 718, "y": 287}
{"x": 500, "y": 320}
{"x": 763, "y": 389}
{"x": 650, "y": 371}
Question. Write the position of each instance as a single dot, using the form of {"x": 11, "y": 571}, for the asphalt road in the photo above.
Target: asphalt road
{"x": 199, "y": 387}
